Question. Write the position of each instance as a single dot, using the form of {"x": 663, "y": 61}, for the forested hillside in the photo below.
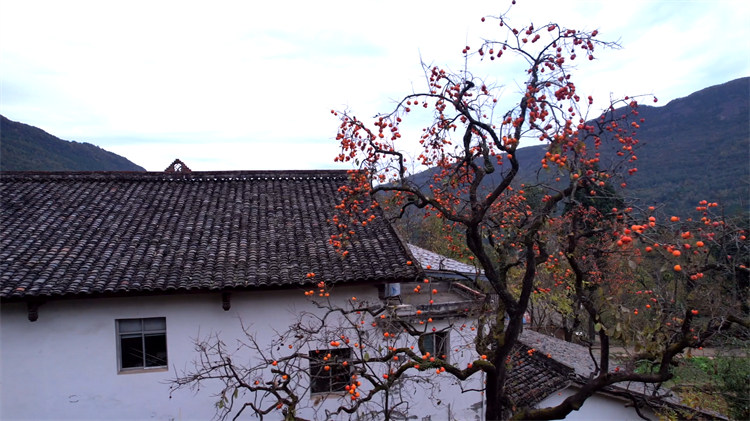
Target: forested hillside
{"x": 691, "y": 149}
{"x": 696, "y": 148}
{"x": 27, "y": 148}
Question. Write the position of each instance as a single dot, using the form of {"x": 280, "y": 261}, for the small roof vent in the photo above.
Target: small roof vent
{"x": 177, "y": 166}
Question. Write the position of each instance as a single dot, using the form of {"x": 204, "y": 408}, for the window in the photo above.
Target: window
{"x": 436, "y": 344}
{"x": 328, "y": 371}
{"x": 142, "y": 343}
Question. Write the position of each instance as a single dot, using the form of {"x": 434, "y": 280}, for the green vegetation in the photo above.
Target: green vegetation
{"x": 720, "y": 383}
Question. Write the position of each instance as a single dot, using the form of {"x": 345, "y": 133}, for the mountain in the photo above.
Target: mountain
{"x": 27, "y": 148}
{"x": 695, "y": 148}
{"x": 691, "y": 149}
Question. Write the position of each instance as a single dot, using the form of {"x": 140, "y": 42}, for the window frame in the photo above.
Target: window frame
{"x": 336, "y": 368}
{"x": 142, "y": 333}
{"x": 440, "y": 344}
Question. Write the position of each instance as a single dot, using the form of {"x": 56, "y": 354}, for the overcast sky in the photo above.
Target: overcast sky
{"x": 250, "y": 85}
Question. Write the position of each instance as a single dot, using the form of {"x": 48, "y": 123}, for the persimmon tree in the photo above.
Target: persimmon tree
{"x": 565, "y": 233}
{"x": 473, "y": 145}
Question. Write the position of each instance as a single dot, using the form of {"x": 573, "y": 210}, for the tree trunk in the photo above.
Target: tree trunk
{"x": 497, "y": 405}
{"x": 743, "y": 285}
{"x": 493, "y": 410}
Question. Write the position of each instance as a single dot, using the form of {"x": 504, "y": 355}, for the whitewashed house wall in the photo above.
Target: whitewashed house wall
{"x": 64, "y": 365}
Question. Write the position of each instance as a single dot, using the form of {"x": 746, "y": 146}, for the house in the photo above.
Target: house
{"x": 108, "y": 280}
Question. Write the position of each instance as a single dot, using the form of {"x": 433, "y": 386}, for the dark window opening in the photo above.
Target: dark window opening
{"x": 142, "y": 343}
{"x": 436, "y": 344}
{"x": 328, "y": 373}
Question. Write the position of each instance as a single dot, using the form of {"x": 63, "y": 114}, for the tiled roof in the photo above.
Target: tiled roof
{"x": 533, "y": 376}
{"x": 87, "y": 233}
{"x": 437, "y": 261}
{"x": 571, "y": 355}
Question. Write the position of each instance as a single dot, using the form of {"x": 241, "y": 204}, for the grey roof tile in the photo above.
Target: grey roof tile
{"x": 437, "y": 261}
{"x": 533, "y": 376}
{"x": 85, "y": 233}
{"x": 571, "y": 355}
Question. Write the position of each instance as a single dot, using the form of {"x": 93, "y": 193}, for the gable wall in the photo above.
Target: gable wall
{"x": 64, "y": 366}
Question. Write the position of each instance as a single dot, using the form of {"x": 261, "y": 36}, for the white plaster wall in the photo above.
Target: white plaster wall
{"x": 64, "y": 366}
{"x": 597, "y": 407}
